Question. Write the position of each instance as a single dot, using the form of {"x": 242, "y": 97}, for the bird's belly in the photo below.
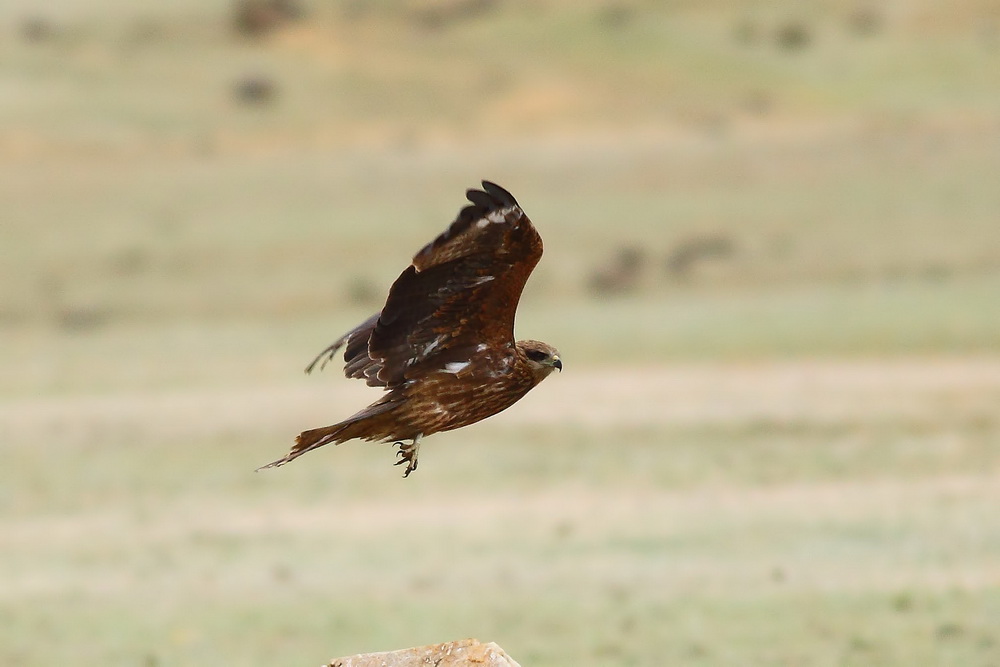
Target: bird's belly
{"x": 446, "y": 410}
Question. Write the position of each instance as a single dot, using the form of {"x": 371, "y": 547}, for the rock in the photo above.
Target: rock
{"x": 462, "y": 653}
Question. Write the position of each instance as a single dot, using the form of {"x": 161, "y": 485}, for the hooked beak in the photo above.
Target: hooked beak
{"x": 557, "y": 363}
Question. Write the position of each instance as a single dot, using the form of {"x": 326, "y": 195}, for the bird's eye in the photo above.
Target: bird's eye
{"x": 537, "y": 355}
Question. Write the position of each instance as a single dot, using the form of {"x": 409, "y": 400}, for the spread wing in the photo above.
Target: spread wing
{"x": 456, "y": 301}
{"x": 461, "y": 291}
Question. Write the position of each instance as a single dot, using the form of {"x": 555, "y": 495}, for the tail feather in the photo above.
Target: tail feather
{"x": 373, "y": 423}
{"x": 309, "y": 440}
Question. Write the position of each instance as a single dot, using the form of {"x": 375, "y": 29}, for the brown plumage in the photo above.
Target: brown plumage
{"x": 443, "y": 344}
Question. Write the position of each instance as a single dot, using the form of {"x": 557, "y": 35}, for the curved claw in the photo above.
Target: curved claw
{"x": 408, "y": 454}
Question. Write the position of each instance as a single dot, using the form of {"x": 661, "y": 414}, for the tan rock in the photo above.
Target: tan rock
{"x": 461, "y": 653}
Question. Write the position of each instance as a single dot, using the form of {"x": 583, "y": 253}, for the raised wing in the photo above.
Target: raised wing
{"x": 459, "y": 296}
{"x": 454, "y": 303}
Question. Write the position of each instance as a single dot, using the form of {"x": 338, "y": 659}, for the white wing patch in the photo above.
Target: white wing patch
{"x": 431, "y": 347}
{"x": 455, "y": 366}
{"x": 480, "y": 280}
{"x": 497, "y": 216}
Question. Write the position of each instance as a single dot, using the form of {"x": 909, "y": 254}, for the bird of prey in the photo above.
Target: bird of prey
{"x": 443, "y": 346}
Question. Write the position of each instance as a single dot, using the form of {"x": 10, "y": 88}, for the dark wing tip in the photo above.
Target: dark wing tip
{"x": 491, "y": 198}
{"x": 498, "y": 194}
{"x": 481, "y": 200}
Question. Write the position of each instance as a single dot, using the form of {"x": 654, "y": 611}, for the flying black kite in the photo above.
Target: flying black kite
{"x": 443, "y": 344}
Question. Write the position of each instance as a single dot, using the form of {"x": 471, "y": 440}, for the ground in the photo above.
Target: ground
{"x": 836, "y": 512}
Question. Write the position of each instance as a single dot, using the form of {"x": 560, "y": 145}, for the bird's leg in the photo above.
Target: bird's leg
{"x": 408, "y": 454}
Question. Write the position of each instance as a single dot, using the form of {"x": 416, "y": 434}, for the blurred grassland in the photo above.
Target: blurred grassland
{"x": 787, "y": 454}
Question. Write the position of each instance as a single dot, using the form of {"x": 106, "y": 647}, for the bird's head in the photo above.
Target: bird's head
{"x": 542, "y": 358}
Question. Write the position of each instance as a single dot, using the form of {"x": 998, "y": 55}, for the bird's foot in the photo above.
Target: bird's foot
{"x": 408, "y": 454}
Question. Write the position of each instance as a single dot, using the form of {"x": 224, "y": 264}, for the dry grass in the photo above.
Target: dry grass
{"x": 754, "y": 512}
